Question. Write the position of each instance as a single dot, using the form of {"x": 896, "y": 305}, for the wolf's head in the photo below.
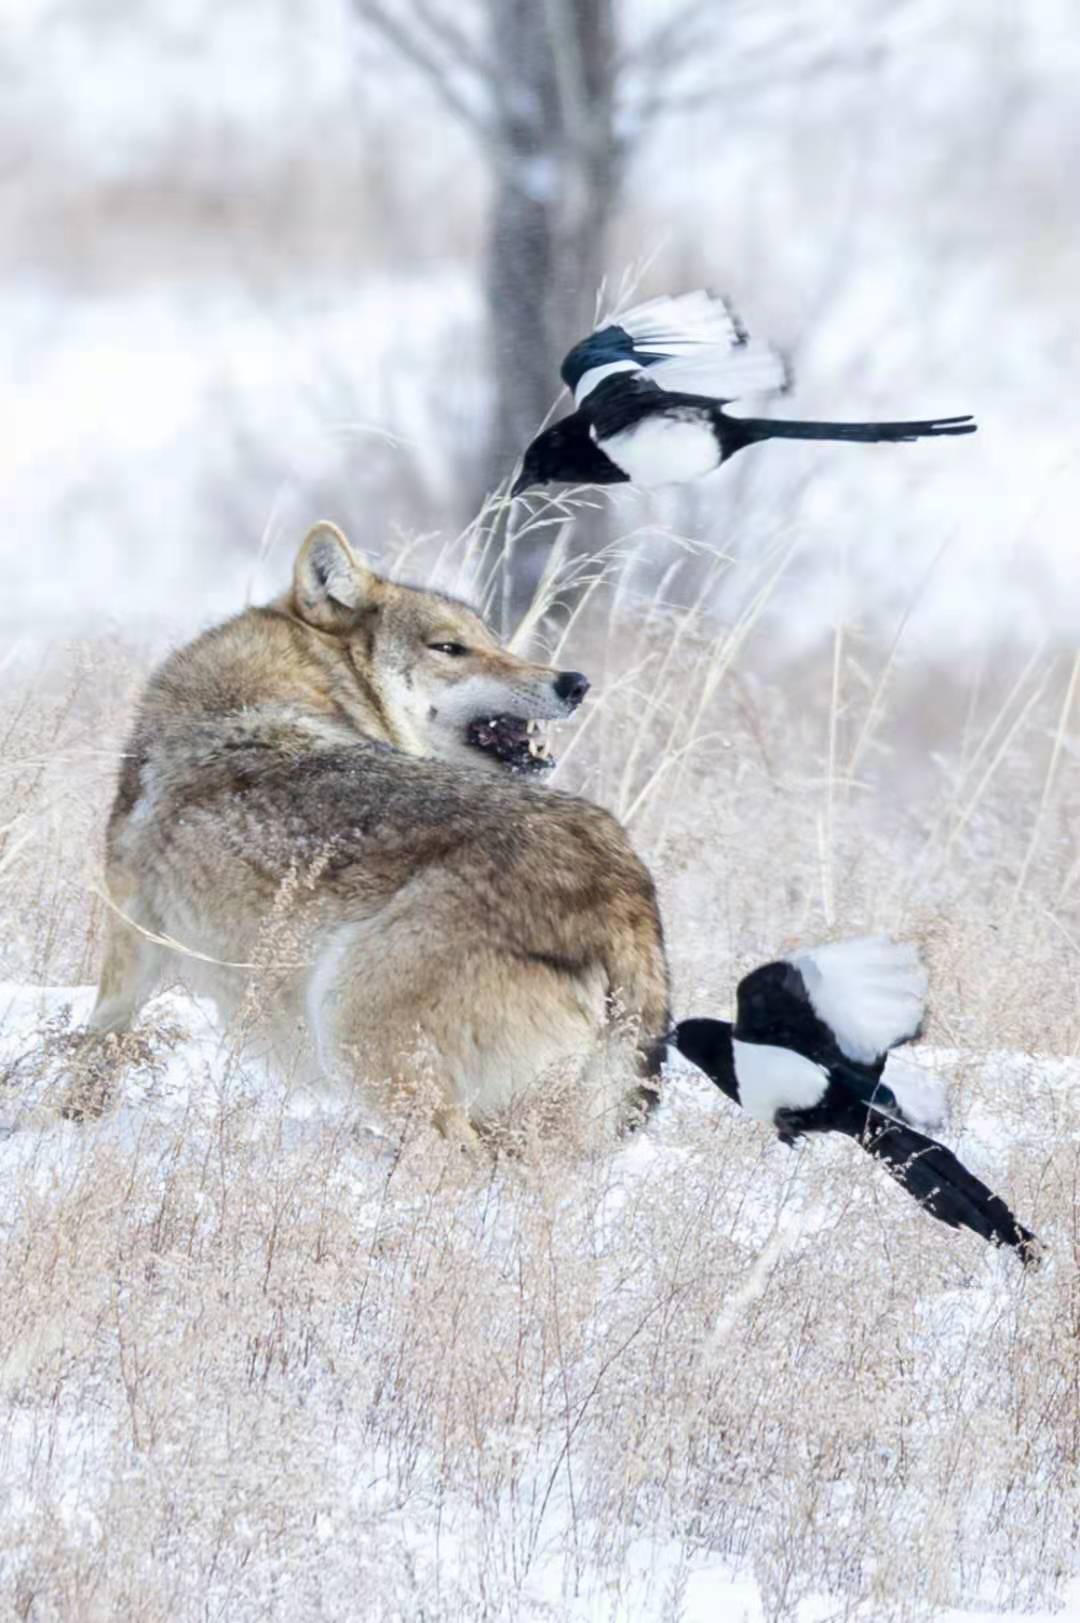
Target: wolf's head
{"x": 422, "y": 665}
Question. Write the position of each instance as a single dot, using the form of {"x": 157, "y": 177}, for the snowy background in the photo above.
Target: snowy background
{"x": 239, "y": 246}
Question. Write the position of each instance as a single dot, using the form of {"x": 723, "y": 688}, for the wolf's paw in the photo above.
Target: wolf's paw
{"x": 83, "y": 1100}
{"x": 84, "y": 1084}
{"x": 638, "y": 1105}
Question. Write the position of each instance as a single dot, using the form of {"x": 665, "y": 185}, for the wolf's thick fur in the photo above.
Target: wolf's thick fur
{"x": 440, "y": 921}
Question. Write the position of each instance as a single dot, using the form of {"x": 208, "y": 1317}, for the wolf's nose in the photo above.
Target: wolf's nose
{"x": 571, "y": 687}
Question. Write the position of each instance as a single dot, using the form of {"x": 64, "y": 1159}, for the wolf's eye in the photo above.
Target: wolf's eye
{"x": 455, "y": 649}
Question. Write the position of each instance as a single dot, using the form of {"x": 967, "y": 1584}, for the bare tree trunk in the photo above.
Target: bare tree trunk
{"x": 555, "y": 183}
{"x": 556, "y": 179}
{"x": 583, "y": 40}
{"x": 521, "y": 245}
{"x": 537, "y": 87}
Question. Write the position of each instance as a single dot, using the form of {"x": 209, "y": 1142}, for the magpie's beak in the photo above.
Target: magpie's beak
{"x": 521, "y": 483}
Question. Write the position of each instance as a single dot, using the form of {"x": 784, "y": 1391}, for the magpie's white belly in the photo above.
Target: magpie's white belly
{"x": 772, "y": 1079}
{"x": 664, "y": 450}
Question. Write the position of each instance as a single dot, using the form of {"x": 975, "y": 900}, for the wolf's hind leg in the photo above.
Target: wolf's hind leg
{"x": 639, "y": 1000}
{"x": 129, "y": 972}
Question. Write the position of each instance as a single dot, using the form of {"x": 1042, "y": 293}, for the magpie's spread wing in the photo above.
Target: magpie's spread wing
{"x": 776, "y": 1007}
{"x": 871, "y": 993}
{"x": 693, "y": 342}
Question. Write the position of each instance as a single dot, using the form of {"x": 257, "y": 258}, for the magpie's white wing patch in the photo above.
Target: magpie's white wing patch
{"x": 671, "y": 325}
{"x": 871, "y": 992}
{"x": 693, "y": 342}
{"x": 753, "y": 368}
{"x": 920, "y": 1094}
{"x": 772, "y": 1079}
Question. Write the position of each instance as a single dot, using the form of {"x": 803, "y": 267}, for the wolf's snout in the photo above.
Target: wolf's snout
{"x": 571, "y": 687}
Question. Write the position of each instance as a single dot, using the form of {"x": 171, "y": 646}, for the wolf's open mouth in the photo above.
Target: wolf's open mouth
{"x": 513, "y": 740}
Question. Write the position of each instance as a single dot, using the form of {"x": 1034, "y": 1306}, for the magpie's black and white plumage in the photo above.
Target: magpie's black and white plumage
{"x": 649, "y": 395}
{"x": 807, "y": 1054}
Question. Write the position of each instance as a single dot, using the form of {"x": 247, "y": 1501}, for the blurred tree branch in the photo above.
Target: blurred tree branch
{"x": 455, "y": 39}
{"x": 434, "y": 46}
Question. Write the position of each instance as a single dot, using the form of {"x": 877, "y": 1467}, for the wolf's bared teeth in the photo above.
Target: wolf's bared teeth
{"x": 514, "y": 740}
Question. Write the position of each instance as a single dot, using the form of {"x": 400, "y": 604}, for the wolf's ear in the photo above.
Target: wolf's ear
{"x": 330, "y": 584}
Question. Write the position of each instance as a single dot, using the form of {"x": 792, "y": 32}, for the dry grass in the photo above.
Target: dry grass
{"x": 262, "y": 1364}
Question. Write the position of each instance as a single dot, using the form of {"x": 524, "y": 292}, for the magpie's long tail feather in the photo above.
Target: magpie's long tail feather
{"x": 772, "y": 428}
{"x": 938, "y": 1181}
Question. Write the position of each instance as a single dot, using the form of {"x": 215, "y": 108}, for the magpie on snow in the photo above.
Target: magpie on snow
{"x": 649, "y": 396}
{"x": 807, "y": 1053}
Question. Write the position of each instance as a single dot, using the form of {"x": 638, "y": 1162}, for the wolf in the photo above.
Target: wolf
{"x": 362, "y": 762}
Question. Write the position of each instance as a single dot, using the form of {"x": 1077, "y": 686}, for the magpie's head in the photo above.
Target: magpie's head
{"x": 707, "y": 1044}
{"x": 552, "y": 455}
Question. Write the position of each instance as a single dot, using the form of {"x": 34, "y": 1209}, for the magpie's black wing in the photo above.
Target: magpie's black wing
{"x": 621, "y": 401}
{"x": 773, "y": 1006}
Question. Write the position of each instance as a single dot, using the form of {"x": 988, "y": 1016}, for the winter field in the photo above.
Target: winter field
{"x": 265, "y": 1358}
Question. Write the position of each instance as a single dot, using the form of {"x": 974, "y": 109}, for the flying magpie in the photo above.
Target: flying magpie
{"x": 639, "y": 416}
{"x": 807, "y": 1053}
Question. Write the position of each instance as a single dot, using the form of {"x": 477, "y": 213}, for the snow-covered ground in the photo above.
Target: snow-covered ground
{"x": 264, "y": 1359}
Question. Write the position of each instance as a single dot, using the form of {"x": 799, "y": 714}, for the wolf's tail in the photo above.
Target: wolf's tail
{"x": 771, "y": 428}
{"x": 937, "y": 1180}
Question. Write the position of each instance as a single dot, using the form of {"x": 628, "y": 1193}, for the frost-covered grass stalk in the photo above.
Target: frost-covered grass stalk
{"x": 259, "y": 1362}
